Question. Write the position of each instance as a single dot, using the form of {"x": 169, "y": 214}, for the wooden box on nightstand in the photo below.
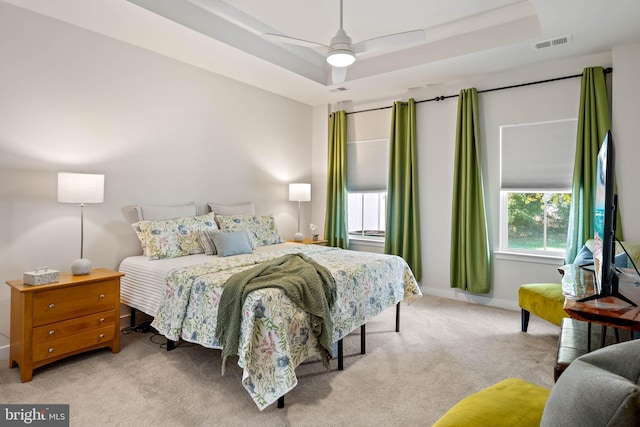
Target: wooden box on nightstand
{"x": 57, "y": 320}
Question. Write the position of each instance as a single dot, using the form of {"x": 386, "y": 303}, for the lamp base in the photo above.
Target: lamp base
{"x": 80, "y": 267}
{"x": 298, "y": 237}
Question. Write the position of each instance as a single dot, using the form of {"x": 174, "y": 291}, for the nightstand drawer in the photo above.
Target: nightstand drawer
{"x": 61, "y": 304}
{"x": 62, "y": 346}
{"x": 56, "y": 331}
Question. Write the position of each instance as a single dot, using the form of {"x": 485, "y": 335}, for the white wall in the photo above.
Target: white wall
{"x": 161, "y": 131}
{"x": 626, "y": 134}
{"x": 436, "y": 123}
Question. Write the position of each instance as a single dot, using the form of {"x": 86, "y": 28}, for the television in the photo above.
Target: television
{"x": 604, "y": 242}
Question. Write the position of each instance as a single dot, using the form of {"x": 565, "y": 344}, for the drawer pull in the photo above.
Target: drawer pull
{"x": 52, "y": 305}
{"x": 101, "y": 335}
{"x": 51, "y": 332}
{"x": 51, "y": 350}
{"x": 101, "y": 296}
{"x": 101, "y": 319}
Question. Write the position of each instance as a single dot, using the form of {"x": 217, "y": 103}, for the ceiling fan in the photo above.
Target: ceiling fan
{"x": 341, "y": 51}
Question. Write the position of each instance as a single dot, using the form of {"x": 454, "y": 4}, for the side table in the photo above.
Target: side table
{"x": 57, "y": 320}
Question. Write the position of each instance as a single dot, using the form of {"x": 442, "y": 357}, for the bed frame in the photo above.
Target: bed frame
{"x": 172, "y": 344}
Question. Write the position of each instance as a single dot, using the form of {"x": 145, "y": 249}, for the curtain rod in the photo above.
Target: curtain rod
{"x": 443, "y": 97}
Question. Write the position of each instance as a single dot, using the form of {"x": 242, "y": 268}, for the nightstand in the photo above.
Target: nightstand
{"x": 57, "y": 320}
{"x": 308, "y": 241}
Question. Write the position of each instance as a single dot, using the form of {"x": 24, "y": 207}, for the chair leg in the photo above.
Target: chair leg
{"x": 524, "y": 316}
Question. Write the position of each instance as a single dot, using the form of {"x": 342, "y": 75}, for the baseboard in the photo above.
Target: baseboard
{"x": 4, "y": 347}
{"x": 4, "y": 352}
{"x": 472, "y": 298}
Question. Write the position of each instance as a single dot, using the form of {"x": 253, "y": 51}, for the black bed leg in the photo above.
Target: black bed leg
{"x": 340, "y": 356}
{"x": 398, "y": 317}
{"x": 281, "y": 402}
{"x": 363, "y": 340}
{"x": 132, "y": 319}
{"x": 170, "y": 344}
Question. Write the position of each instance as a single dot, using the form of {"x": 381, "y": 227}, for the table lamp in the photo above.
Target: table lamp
{"x": 80, "y": 188}
{"x": 299, "y": 192}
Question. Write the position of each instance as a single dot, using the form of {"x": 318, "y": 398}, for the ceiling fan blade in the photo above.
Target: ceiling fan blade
{"x": 292, "y": 40}
{"x": 391, "y": 41}
{"x": 338, "y": 75}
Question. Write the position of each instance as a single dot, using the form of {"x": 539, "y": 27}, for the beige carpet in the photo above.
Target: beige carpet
{"x": 446, "y": 350}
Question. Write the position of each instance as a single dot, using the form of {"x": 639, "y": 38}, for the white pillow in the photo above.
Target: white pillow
{"x": 226, "y": 209}
{"x": 155, "y": 213}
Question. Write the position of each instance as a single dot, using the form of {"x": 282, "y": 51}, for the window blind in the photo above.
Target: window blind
{"x": 537, "y": 156}
{"x": 367, "y": 165}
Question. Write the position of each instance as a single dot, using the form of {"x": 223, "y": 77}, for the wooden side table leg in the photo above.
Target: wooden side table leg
{"x": 26, "y": 372}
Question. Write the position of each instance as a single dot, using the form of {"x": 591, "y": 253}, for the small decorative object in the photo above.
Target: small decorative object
{"x": 299, "y": 192}
{"x": 40, "y": 276}
{"x": 313, "y": 228}
{"x": 80, "y": 188}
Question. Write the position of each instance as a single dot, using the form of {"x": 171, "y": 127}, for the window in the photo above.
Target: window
{"x": 536, "y": 172}
{"x": 537, "y": 221}
{"x": 367, "y": 165}
{"x": 367, "y": 214}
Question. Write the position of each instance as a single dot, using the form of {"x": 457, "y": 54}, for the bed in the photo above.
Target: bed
{"x": 181, "y": 294}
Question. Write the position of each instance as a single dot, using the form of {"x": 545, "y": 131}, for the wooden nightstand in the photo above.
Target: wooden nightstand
{"x": 308, "y": 241}
{"x": 57, "y": 320}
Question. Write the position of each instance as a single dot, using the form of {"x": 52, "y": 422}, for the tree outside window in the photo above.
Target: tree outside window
{"x": 537, "y": 221}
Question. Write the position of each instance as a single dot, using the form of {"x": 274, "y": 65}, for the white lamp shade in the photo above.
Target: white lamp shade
{"x": 299, "y": 192}
{"x": 80, "y": 187}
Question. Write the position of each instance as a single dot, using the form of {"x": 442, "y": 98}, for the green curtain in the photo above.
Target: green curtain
{"x": 594, "y": 121}
{"x": 335, "y": 225}
{"x": 470, "y": 256}
{"x": 403, "y": 216}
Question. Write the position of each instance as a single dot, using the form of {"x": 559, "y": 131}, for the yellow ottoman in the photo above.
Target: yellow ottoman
{"x": 545, "y": 300}
{"x": 511, "y": 402}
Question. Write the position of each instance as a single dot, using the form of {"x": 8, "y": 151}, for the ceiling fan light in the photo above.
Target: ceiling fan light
{"x": 341, "y": 57}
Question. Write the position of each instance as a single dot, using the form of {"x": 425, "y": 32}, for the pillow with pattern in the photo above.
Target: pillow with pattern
{"x": 261, "y": 228}
{"x": 173, "y": 238}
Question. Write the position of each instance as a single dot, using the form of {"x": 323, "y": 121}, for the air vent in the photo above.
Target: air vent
{"x": 339, "y": 89}
{"x": 551, "y": 42}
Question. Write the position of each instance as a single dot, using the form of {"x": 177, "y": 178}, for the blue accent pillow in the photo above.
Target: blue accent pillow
{"x": 232, "y": 243}
{"x": 585, "y": 257}
{"x": 621, "y": 260}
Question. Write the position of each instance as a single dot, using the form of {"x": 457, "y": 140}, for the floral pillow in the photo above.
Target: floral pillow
{"x": 261, "y": 228}
{"x": 173, "y": 238}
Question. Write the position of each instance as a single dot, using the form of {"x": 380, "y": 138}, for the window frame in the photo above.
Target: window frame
{"x": 534, "y": 159}
{"x": 381, "y": 210}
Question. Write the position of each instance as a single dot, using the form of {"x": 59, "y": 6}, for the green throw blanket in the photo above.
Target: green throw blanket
{"x": 308, "y": 284}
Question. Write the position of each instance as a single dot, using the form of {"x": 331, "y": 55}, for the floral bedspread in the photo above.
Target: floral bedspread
{"x": 275, "y": 335}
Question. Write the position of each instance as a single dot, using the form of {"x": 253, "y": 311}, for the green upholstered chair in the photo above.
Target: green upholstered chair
{"x": 598, "y": 389}
{"x": 545, "y": 300}
{"x": 511, "y": 402}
